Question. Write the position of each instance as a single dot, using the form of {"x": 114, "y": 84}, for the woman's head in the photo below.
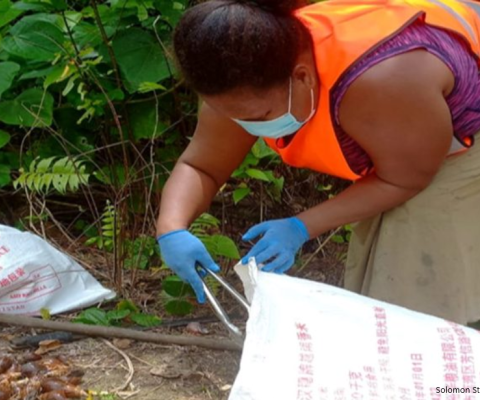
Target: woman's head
{"x": 242, "y": 50}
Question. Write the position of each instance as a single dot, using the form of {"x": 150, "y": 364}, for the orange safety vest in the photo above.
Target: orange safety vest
{"x": 345, "y": 31}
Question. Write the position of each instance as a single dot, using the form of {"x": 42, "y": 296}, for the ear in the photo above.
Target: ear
{"x": 306, "y": 74}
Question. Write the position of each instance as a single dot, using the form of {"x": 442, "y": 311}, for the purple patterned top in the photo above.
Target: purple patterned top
{"x": 464, "y": 100}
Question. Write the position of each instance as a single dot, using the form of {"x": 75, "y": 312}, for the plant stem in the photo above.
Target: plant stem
{"x": 107, "y": 43}
{"x": 319, "y": 249}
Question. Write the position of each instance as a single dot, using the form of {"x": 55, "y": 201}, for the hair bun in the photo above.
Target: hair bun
{"x": 279, "y": 6}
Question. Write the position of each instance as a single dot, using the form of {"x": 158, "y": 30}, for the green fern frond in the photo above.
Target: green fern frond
{"x": 203, "y": 225}
{"x": 110, "y": 229}
{"x": 213, "y": 285}
{"x": 205, "y": 228}
{"x": 110, "y": 226}
{"x": 62, "y": 175}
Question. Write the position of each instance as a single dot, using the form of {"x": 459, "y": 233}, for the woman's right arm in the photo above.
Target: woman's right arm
{"x": 217, "y": 148}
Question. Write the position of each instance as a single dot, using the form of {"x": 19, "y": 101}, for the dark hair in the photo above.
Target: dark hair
{"x": 222, "y": 45}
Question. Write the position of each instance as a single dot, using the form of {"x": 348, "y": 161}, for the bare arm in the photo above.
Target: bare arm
{"x": 217, "y": 148}
{"x": 397, "y": 112}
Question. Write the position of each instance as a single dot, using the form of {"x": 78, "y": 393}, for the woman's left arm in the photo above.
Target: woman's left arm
{"x": 396, "y": 111}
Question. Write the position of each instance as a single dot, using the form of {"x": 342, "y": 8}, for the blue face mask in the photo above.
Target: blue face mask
{"x": 278, "y": 127}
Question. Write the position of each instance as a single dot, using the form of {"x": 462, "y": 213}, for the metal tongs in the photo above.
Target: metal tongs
{"x": 235, "y": 332}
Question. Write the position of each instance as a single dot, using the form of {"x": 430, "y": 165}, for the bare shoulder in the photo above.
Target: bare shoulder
{"x": 397, "y": 112}
{"x": 417, "y": 66}
{"x": 402, "y": 75}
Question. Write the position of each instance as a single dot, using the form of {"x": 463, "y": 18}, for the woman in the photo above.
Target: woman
{"x": 385, "y": 93}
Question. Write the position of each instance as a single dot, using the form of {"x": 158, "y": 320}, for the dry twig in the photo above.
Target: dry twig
{"x": 131, "y": 370}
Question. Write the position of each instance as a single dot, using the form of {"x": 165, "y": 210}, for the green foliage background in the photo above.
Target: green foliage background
{"x": 93, "y": 115}
{"x": 90, "y": 80}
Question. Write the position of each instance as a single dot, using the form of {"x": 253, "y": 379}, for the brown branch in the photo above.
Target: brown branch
{"x": 107, "y": 43}
{"x": 70, "y": 35}
{"x": 110, "y": 332}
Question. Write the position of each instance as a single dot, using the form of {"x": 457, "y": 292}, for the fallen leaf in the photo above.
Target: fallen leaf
{"x": 5, "y": 390}
{"x": 74, "y": 392}
{"x": 166, "y": 371}
{"x": 32, "y": 376}
{"x": 196, "y": 328}
{"x": 45, "y": 313}
{"x": 47, "y": 346}
{"x": 56, "y": 395}
{"x": 122, "y": 343}
{"x": 193, "y": 375}
{"x": 28, "y": 357}
{"x": 5, "y": 363}
{"x": 30, "y": 369}
{"x": 52, "y": 384}
{"x": 55, "y": 367}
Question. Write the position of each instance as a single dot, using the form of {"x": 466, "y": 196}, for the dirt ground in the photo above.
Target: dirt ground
{"x": 159, "y": 372}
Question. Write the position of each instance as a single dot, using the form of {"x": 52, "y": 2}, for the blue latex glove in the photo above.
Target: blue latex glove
{"x": 282, "y": 238}
{"x": 182, "y": 252}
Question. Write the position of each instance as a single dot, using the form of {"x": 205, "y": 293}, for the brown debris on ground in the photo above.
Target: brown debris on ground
{"x": 128, "y": 370}
{"x": 32, "y": 376}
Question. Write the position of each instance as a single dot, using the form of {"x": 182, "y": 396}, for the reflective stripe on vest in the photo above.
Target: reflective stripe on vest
{"x": 473, "y": 5}
{"x": 465, "y": 24}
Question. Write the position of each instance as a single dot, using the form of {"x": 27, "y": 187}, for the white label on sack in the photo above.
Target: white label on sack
{"x": 35, "y": 275}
